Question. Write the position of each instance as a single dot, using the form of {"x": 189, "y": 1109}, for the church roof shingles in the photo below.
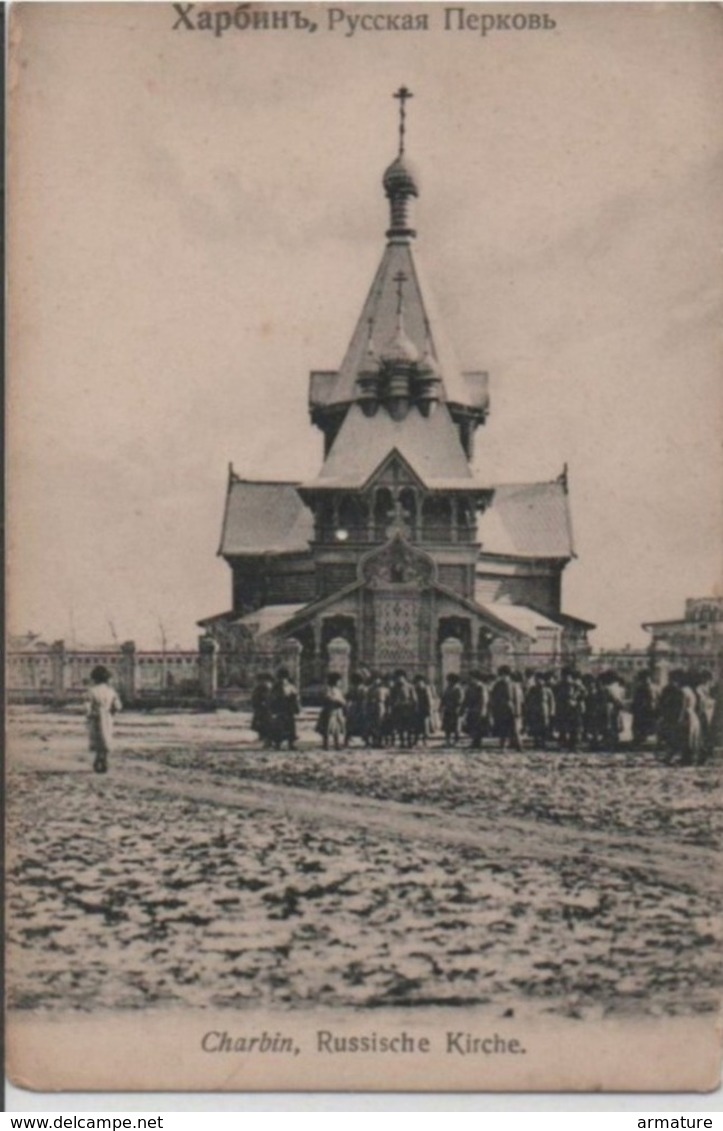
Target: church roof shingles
{"x": 528, "y": 520}
{"x": 263, "y": 518}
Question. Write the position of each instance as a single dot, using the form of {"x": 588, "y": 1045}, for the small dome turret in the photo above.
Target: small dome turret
{"x": 400, "y": 179}
{"x": 369, "y": 379}
{"x": 400, "y": 349}
{"x": 429, "y": 377}
{"x": 428, "y": 364}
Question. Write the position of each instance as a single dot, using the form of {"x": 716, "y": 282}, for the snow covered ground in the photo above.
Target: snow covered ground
{"x": 204, "y": 872}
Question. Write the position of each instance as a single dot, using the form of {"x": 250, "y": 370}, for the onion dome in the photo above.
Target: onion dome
{"x": 400, "y": 349}
{"x": 400, "y": 178}
{"x": 429, "y": 378}
{"x": 428, "y": 364}
{"x": 371, "y": 363}
{"x": 369, "y": 378}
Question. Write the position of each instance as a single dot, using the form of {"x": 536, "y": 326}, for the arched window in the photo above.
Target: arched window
{"x": 325, "y": 519}
{"x": 408, "y": 502}
{"x": 383, "y": 512}
{"x": 352, "y": 517}
{"x": 437, "y": 519}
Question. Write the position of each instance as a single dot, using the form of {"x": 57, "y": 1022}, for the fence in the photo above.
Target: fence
{"x": 54, "y": 674}
{"x": 217, "y": 674}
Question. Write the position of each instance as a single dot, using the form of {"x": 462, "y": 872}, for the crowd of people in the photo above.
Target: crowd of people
{"x": 562, "y": 709}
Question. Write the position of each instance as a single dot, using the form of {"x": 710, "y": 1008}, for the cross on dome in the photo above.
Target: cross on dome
{"x": 402, "y": 94}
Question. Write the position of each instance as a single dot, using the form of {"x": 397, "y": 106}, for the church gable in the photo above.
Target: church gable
{"x": 394, "y": 471}
{"x": 430, "y": 446}
{"x": 397, "y": 563}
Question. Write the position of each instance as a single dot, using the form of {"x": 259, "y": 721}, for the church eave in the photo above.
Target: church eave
{"x": 526, "y": 559}
{"x": 318, "y": 606}
{"x": 480, "y": 611}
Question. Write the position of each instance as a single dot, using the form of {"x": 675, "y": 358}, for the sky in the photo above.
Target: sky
{"x": 196, "y": 222}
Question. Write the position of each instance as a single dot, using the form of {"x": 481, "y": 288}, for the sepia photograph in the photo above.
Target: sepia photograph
{"x": 365, "y": 651}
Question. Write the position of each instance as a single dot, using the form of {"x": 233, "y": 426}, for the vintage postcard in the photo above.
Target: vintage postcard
{"x": 366, "y": 635}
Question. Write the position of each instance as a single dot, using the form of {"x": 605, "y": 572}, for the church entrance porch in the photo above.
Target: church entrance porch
{"x": 396, "y": 616}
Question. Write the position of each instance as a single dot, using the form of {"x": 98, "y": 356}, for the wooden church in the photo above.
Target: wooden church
{"x": 396, "y": 555}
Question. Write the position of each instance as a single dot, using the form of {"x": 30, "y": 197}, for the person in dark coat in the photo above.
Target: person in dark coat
{"x": 644, "y": 708}
{"x": 388, "y": 718}
{"x": 506, "y": 709}
{"x": 569, "y": 701}
{"x": 356, "y": 708}
{"x": 450, "y": 706}
{"x": 422, "y": 710}
{"x": 402, "y": 706}
{"x": 539, "y": 711}
{"x": 590, "y": 712}
{"x": 377, "y": 711}
{"x": 670, "y": 710}
{"x": 476, "y": 707}
{"x": 284, "y": 709}
{"x": 261, "y": 720}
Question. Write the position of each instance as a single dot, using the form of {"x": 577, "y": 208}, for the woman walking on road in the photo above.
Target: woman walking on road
{"x": 102, "y": 704}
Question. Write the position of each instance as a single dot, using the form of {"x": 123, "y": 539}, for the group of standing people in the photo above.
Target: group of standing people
{"x": 546, "y": 707}
{"x": 686, "y": 715}
{"x": 564, "y": 709}
{"x": 275, "y": 705}
{"x": 378, "y": 710}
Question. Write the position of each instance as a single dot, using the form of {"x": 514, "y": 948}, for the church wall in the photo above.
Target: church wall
{"x": 458, "y": 577}
{"x": 293, "y": 587}
{"x": 248, "y": 585}
{"x": 272, "y": 580}
{"x": 332, "y": 576}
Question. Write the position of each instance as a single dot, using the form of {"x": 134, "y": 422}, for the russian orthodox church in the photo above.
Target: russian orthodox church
{"x": 395, "y": 555}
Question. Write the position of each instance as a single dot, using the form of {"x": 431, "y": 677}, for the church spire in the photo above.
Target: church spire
{"x": 399, "y": 363}
{"x": 399, "y": 181}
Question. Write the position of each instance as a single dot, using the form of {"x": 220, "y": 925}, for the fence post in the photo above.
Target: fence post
{"x": 57, "y": 670}
{"x": 127, "y": 671}
{"x": 208, "y": 666}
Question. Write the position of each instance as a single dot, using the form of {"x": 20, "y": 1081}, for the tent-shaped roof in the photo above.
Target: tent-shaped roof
{"x": 528, "y": 520}
{"x": 422, "y": 325}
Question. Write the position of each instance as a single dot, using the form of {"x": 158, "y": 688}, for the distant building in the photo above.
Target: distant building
{"x": 626, "y": 661}
{"x": 395, "y": 555}
{"x": 696, "y": 639}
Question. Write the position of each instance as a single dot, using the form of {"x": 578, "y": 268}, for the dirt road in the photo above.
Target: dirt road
{"x": 203, "y": 871}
